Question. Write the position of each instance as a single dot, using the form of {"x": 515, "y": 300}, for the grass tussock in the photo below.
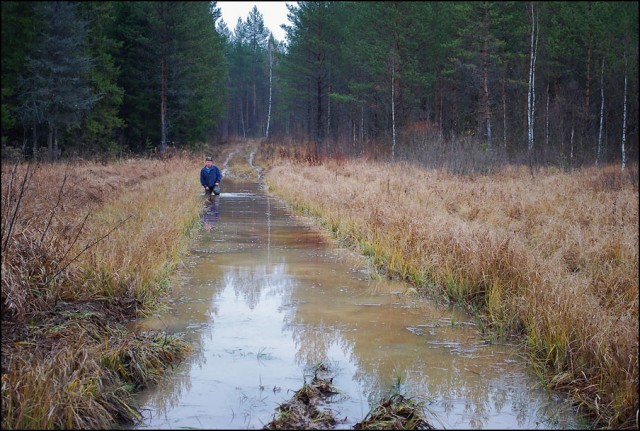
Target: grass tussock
{"x": 551, "y": 257}
{"x": 65, "y": 377}
{"x": 302, "y": 411}
{"x": 395, "y": 413}
{"x": 85, "y": 249}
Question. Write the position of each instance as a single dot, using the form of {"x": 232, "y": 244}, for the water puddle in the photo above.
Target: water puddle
{"x": 265, "y": 297}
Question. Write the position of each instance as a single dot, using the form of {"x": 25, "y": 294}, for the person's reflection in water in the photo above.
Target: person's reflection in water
{"x": 211, "y": 213}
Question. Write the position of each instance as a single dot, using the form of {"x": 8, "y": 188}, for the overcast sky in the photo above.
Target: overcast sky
{"x": 274, "y": 13}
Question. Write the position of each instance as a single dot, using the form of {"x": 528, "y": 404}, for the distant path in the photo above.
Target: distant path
{"x": 239, "y": 160}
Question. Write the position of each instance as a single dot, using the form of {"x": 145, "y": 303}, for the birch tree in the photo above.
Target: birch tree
{"x": 599, "y": 145}
{"x": 531, "y": 93}
{"x": 393, "y": 103}
{"x": 485, "y": 73}
{"x": 163, "y": 16}
{"x": 623, "y": 159}
{"x": 306, "y": 66}
{"x": 270, "y": 51}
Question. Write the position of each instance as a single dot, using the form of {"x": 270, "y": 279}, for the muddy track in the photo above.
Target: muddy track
{"x": 238, "y": 160}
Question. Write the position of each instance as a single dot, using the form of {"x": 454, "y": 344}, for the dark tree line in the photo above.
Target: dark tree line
{"x": 526, "y": 82}
{"x": 436, "y": 82}
{"x": 83, "y": 78}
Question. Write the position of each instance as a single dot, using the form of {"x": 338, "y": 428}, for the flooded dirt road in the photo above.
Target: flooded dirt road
{"x": 265, "y": 297}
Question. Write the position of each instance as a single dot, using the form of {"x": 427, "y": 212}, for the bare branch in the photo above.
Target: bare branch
{"x": 76, "y": 238}
{"x": 88, "y": 246}
{"x": 23, "y": 188}
{"x": 7, "y": 200}
{"x": 53, "y": 210}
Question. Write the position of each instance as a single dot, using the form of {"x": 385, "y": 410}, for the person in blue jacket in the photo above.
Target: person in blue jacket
{"x": 210, "y": 177}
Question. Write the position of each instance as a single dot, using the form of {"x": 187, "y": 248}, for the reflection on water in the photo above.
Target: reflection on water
{"x": 265, "y": 298}
{"x": 211, "y": 212}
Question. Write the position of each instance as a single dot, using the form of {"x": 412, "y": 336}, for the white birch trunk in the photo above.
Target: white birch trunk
{"x": 163, "y": 102}
{"x": 56, "y": 150}
{"x": 34, "y": 143}
{"x": 571, "y": 143}
{"x": 329, "y": 108}
{"x": 531, "y": 99}
{"x": 504, "y": 119}
{"x": 504, "y": 107}
{"x": 50, "y": 144}
{"x": 624, "y": 118}
{"x": 328, "y": 115}
{"x": 244, "y": 134}
{"x": 599, "y": 148}
{"x": 533, "y": 81}
{"x": 164, "y": 71}
{"x": 546, "y": 126}
{"x": 440, "y": 132}
{"x": 354, "y": 126}
{"x": 485, "y": 78}
{"x": 393, "y": 108}
{"x": 270, "y": 87}
{"x": 361, "y": 122}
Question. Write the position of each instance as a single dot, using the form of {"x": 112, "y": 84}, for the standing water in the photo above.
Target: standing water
{"x": 265, "y": 297}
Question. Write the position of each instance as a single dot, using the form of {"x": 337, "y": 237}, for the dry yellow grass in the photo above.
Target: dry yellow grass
{"x": 552, "y": 258}
{"x": 120, "y": 220}
{"x": 90, "y": 247}
{"x": 158, "y": 214}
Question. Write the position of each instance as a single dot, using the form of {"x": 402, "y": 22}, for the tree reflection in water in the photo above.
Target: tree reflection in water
{"x": 264, "y": 299}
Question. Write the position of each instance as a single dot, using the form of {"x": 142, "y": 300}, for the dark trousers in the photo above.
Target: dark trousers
{"x": 214, "y": 189}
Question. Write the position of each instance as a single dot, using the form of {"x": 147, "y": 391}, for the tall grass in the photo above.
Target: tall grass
{"x": 551, "y": 257}
{"x": 85, "y": 249}
{"x": 138, "y": 257}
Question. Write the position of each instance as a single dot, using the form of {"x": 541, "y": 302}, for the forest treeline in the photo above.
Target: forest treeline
{"x": 454, "y": 84}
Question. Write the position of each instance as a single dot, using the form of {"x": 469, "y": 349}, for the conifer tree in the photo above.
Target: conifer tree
{"x": 55, "y": 90}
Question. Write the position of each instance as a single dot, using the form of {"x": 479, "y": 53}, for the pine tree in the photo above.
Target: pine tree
{"x": 17, "y": 33}
{"x": 99, "y": 131}
{"x": 137, "y": 60}
{"x": 55, "y": 88}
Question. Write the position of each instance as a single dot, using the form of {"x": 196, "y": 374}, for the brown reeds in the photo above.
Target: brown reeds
{"x": 302, "y": 410}
{"x": 550, "y": 257}
{"x": 85, "y": 249}
{"x": 395, "y": 413}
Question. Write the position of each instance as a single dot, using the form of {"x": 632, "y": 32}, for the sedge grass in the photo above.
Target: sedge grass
{"x": 86, "y": 248}
{"x": 552, "y": 258}
{"x": 148, "y": 246}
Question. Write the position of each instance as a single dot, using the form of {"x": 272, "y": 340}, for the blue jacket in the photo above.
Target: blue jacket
{"x": 210, "y": 176}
